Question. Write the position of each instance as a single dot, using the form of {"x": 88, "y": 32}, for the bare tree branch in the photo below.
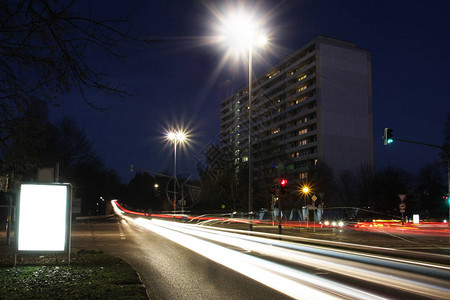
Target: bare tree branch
{"x": 44, "y": 51}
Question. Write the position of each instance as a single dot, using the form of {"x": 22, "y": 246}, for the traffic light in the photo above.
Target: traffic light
{"x": 283, "y": 184}
{"x": 272, "y": 190}
{"x": 388, "y": 139}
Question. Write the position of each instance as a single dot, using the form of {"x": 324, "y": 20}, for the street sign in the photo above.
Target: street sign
{"x": 402, "y": 206}
{"x": 402, "y": 197}
{"x": 314, "y": 198}
{"x": 402, "y": 210}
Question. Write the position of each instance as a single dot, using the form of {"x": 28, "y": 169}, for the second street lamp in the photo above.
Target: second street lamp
{"x": 175, "y": 137}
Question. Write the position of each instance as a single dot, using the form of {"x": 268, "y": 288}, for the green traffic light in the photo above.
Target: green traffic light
{"x": 387, "y": 137}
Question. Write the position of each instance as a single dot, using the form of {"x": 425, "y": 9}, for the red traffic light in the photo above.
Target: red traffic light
{"x": 283, "y": 182}
{"x": 272, "y": 189}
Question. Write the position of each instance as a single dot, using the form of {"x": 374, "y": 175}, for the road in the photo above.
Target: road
{"x": 185, "y": 261}
{"x": 168, "y": 270}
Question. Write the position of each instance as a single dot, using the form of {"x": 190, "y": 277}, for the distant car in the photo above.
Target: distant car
{"x": 331, "y": 223}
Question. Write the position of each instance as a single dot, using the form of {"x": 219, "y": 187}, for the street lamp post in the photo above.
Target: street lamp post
{"x": 250, "y": 167}
{"x": 242, "y": 33}
{"x": 175, "y": 137}
{"x": 305, "y": 191}
{"x": 174, "y": 175}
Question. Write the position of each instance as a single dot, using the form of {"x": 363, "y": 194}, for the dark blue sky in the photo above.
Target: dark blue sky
{"x": 177, "y": 81}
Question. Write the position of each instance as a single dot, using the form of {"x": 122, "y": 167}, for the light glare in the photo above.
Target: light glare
{"x": 240, "y": 30}
{"x": 181, "y": 136}
{"x": 171, "y": 136}
{"x": 261, "y": 41}
{"x": 177, "y": 136}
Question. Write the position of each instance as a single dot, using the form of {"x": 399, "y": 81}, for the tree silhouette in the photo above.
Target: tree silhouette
{"x": 44, "y": 50}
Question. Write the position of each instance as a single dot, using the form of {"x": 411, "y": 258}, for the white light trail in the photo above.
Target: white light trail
{"x": 289, "y": 281}
{"x": 298, "y": 239}
{"x": 295, "y": 283}
{"x": 406, "y": 281}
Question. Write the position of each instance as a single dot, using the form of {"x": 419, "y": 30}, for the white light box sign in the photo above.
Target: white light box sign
{"x": 44, "y": 217}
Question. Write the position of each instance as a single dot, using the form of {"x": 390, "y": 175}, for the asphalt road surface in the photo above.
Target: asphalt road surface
{"x": 168, "y": 270}
{"x": 170, "y": 258}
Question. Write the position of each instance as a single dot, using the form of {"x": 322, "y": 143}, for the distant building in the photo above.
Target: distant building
{"x": 314, "y": 106}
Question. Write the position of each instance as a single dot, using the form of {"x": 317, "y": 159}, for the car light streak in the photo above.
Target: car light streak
{"x": 402, "y": 280}
{"x": 273, "y": 275}
{"x": 391, "y": 262}
{"x": 343, "y": 244}
{"x": 291, "y": 282}
{"x": 119, "y": 210}
{"x": 423, "y": 229}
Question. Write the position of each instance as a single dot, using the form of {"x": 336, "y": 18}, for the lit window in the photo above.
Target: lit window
{"x": 273, "y": 74}
{"x": 304, "y": 142}
{"x": 303, "y": 131}
{"x": 275, "y": 131}
{"x": 315, "y": 162}
{"x": 303, "y": 175}
{"x": 302, "y": 77}
{"x": 302, "y": 88}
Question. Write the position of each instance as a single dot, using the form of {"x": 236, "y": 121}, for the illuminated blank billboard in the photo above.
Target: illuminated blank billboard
{"x": 44, "y": 217}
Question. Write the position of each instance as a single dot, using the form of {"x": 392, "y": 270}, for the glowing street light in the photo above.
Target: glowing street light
{"x": 175, "y": 137}
{"x": 240, "y": 32}
{"x": 305, "y": 190}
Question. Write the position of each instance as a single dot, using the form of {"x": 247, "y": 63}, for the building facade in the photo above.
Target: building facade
{"x": 314, "y": 106}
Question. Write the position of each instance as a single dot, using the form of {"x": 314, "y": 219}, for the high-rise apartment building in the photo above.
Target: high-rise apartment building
{"x": 314, "y": 106}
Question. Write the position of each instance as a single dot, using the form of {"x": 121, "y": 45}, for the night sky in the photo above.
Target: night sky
{"x": 178, "y": 82}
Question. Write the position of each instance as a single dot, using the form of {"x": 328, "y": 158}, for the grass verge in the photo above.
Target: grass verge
{"x": 91, "y": 275}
